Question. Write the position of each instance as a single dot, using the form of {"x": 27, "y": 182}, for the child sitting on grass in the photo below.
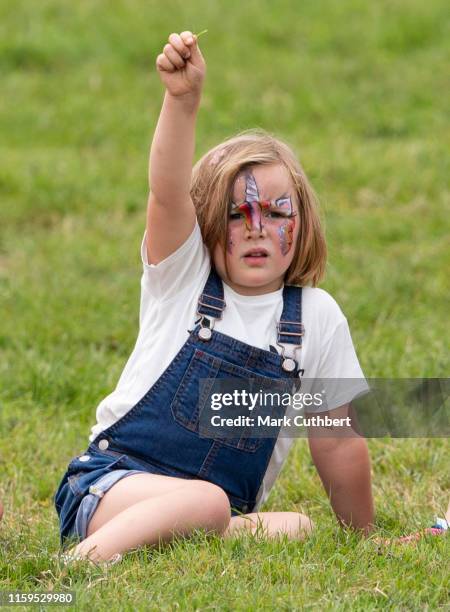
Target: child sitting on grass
{"x": 232, "y": 255}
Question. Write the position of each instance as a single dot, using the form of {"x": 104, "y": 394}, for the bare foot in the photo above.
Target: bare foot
{"x": 72, "y": 556}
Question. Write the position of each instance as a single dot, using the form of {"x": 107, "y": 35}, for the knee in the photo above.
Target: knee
{"x": 215, "y": 506}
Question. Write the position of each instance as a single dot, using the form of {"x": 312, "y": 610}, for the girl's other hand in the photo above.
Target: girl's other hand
{"x": 411, "y": 538}
{"x": 181, "y": 66}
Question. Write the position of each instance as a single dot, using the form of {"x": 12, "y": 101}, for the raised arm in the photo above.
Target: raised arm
{"x": 170, "y": 210}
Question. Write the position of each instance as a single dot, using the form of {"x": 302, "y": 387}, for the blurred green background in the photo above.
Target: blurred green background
{"x": 360, "y": 91}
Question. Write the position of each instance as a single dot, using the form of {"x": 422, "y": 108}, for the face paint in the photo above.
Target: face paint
{"x": 258, "y": 214}
{"x": 285, "y": 204}
{"x": 248, "y": 212}
{"x": 229, "y": 242}
{"x": 285, "y": 233}
{"x": 251, "y": 188}
{"x": 252, "y": 208}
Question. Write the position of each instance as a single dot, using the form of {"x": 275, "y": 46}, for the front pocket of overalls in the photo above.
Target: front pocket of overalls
{"x": 81, "y": 474}
{"x": 187, "y": 404}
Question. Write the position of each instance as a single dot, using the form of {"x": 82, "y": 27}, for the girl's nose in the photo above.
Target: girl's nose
{"x": 254, "y": 220}
{"x": 256, "y": 231}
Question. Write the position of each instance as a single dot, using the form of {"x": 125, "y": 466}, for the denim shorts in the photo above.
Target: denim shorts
{"x": 87, "y": 479}
{"x": 90, "y": 501}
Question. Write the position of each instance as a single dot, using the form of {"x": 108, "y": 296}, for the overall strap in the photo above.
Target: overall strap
{"x": 210, "y": 304}
{"x": 290, "y": 328}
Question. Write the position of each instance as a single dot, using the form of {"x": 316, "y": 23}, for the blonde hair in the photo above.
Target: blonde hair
{"x": 213, "y": 177}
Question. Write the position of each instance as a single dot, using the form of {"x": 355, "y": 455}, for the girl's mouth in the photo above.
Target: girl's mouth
{"x": 256, "y": 257}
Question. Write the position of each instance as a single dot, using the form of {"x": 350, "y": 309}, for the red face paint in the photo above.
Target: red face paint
{"x": 248, "y": 212}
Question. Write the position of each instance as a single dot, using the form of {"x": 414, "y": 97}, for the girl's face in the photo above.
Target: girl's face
{"x": 262, "y": 230}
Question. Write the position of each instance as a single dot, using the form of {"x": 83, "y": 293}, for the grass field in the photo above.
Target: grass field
{"x": 359, "y": 90}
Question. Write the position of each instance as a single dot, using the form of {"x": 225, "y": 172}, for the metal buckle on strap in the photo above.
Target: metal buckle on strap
{"x": 289, "y": 333}
{"x": 212, "y": 297}
{"x": 289, "y": 363}
{"x": 207, "y": 320}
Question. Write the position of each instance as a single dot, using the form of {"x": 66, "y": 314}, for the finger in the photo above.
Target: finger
{"x": 174, "y": 56}
{"x": 164, "y": 63}
{"x": 177, "y": 42}
{"x": 187, "y": 37}
{"x": 196, "y": 54}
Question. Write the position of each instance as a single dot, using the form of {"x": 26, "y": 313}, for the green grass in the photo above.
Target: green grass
{"x": 359, "y": 90}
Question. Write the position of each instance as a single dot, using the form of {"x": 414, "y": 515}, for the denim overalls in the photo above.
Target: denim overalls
{"x": 160, "y": 434}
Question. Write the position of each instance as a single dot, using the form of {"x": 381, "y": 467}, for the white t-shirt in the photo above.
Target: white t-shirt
{"x": 169, "y": 296}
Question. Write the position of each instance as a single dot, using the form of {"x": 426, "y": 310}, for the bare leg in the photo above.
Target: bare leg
{"x": 131, "y": 490}
{"x": 148, "y": 509}
{"x": 271, "y": 524}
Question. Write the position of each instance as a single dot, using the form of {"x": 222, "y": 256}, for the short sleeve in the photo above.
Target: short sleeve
{"x": 339, "y": 372}
{"x": 169, "y": 277}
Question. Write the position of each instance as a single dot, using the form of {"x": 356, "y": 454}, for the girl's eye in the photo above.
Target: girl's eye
{"x": 273, "y": 214}
{"x": 235, "y": 215}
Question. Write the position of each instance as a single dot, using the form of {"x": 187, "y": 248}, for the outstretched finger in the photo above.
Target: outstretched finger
{"x": 164, "y": 63}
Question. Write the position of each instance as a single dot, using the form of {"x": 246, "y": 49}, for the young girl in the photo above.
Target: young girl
{"x": 221, "y": 242}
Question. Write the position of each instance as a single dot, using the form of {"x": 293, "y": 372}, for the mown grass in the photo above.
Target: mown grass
{"x": 359, "y": 90}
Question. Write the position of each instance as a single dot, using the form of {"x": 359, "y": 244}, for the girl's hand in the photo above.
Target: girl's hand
{"x": 181, "y": 66}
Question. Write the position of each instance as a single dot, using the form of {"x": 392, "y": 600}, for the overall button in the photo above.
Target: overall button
{"x": 288, "y": 365}
{"x": 103, "y": 444}
{"x": 245, "y": 508}
{"x": 84, "y": 458}
{"x": 205, "y": 333}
